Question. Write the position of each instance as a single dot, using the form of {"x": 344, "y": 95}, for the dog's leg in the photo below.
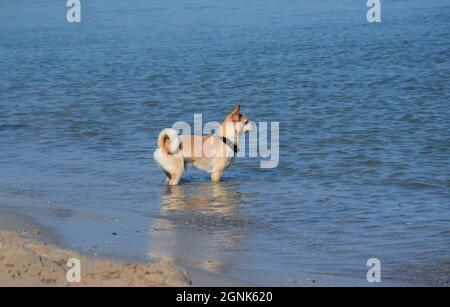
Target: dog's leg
{"x": 175, "y": 178}
{"x": 168, "y": 177}
{"x": 215, "y": 176}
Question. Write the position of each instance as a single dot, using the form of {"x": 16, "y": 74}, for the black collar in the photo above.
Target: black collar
{"x": 231, "y": 144}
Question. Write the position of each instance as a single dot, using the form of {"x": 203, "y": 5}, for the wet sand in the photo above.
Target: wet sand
{"x": 30, "y": 257}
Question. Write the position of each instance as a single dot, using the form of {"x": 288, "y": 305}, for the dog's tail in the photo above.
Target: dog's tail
{"x": 168, "y": 141}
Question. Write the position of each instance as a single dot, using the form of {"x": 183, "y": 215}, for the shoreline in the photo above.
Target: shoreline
{"x": 30, "y": 256}
{"x": 20, "y": 229}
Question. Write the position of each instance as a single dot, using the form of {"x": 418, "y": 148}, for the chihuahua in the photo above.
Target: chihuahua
{"x": 209, "y": 153}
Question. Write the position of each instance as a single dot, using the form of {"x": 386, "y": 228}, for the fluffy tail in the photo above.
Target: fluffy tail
{"x": 168, "y": 141}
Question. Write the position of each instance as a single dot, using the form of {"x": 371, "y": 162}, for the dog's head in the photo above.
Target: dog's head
{"x": 239, "y": 121}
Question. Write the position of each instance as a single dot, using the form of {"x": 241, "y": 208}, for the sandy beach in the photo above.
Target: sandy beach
{"x": 28, "y": 257}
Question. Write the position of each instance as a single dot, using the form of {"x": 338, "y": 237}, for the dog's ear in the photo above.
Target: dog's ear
{"x": 235, "y": 113}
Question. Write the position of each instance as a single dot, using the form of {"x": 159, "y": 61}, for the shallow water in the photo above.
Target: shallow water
{"x": 364, "y": 134}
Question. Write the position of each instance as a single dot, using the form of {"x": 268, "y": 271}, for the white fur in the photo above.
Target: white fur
{"x": 174, "y": 139}
{"x": 158, "y": 156}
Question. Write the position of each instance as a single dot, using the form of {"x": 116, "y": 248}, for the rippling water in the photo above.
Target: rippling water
{"x": 364, "y": 134}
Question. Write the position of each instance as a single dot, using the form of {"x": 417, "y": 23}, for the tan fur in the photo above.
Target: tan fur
{"x": 207, "y": 153}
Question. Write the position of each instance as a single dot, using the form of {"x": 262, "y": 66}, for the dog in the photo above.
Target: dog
{"x": 211, "y": 153}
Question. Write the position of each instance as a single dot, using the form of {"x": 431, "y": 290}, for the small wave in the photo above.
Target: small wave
{"x": 12, "y": 127}
{"x": 416, "y": 185}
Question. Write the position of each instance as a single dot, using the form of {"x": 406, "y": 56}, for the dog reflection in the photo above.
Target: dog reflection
{"x": 204, "y": 198}
{"x": 198, "y": 226}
